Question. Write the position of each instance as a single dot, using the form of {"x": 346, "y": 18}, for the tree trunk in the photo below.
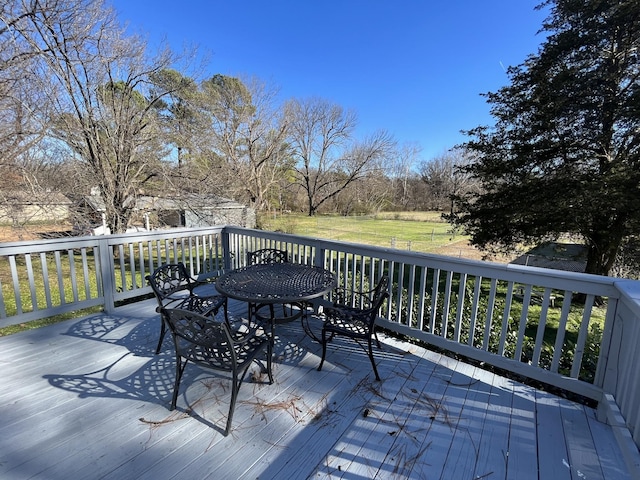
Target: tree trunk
{"x": 603, "y": 248}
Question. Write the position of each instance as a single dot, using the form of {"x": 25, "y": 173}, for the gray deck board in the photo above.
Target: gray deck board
{"x": 553, "y": 459}
{"x": 87, "y": 398}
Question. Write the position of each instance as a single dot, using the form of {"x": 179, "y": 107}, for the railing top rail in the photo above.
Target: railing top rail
{"x": 154, "y": 234}
{"x": 556, "y": 279}
{"x": 44, "y": 245}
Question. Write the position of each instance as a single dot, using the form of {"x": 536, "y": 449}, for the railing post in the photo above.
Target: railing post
{"x": 107, "y": 274}
{"x": 226, "y": 252}
{"x": 607, "y": 371}
{"x": 318, "y": 259}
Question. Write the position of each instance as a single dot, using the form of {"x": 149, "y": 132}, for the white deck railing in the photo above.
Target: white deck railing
{"x": 50, "y": 277}
{"x": 574, "y": 331}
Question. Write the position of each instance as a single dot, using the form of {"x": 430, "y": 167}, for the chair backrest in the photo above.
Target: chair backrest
{"x": 201, "y": 339}
{"x": 169, "y": 279}
{"x": 267, "y": 255}
{"x": 381, "y": 290}
{"x": 364, "y": 300}
{"x": 380, "y": 294}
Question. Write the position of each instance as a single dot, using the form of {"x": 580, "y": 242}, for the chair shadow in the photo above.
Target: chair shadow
{"x": 152, "y": 383}
{"x": 138, "y": 336}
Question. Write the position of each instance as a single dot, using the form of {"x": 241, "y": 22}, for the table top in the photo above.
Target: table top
{"x": 276, "y": 283}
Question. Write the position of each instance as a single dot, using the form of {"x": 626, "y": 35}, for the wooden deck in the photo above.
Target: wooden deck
{"x": 87, "y": 398}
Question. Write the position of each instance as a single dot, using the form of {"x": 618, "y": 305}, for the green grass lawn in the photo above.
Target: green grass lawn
{"x": 416, "y": 231}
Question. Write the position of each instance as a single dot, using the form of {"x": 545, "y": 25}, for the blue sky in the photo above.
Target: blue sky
{"x": 415, "y": 68}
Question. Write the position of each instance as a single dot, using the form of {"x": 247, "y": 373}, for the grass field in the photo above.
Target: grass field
{"x": 417, "y": 231}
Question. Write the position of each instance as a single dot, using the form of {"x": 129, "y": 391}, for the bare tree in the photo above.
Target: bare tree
{"x": 29, "y": 162}
{"x": 401, "y": 171}
{"x": 445, "y": 179}
{"x": 19, "y": 89}
{"x": 102, "y": 105}
{"x": 369, "y": 195}
{"x": 328, "y": 159}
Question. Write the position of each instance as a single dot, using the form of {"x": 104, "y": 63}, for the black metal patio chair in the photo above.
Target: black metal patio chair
{"x": 353, "y": 315}
{"x": 174, "y": 288}
{"x": 211, "y": 344}
{"x": 290, "y": 311}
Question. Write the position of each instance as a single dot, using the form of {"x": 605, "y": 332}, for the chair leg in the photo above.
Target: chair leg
{"x": 324, "y": 348}
{"x": 235, "y": 388}
{"x": 373, "y": 362}
{"x": 234, "y": 395}
{"x": 162, "y": 332}
{"x": 270, "y": 360}
{"x": 377, "y": 339}
{"x": 180, "y": 366}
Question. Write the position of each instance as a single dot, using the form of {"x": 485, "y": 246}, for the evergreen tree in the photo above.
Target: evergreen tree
{"x": 564, "y": 154}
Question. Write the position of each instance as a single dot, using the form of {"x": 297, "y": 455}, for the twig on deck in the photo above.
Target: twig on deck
{"x": 287, "y": 405}
{"x": 173, "y": 417}
{"x": 480, "y": 477}
{"x": 434, "y": 406}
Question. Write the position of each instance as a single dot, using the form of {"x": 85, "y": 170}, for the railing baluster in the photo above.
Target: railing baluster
{"x": 526, "y": 301}
{"x": 477, "y": 290}
{"x": 506, "y": 314}
{"x": 542, "y": 324}
{"x": 45, "y": 280}
{"x": 72, "y": 276}
{"x": 31, "y": 280}
{"x": 132, "y": 269}
{"x": 489, "y": 316}
{"x": 61, "y": 289}
{"x": 3, "y": 308}
{"x": 403, "y": 267}
{"x": 447, "y": 303}
{"x": 582, "y": 336}
{"x": 562, "y": 328}
{"x": 434, "y": 300}
{"x": 141, "y": 266}
{"x": 422, "y": 293}
{"x": 85, "y": 273}
{"x": 16, "y": 284}
{"x": 199, "y": 248}
{"x": 460, "y": 307}
{"x": 96, "y": 268}
{"x": 410, "y": 296}
{"x": 123, "y": 269}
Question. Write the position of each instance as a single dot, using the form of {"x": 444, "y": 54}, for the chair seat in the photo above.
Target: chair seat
{"x": 347, "y": 321}
{"x": 203, "y": 305}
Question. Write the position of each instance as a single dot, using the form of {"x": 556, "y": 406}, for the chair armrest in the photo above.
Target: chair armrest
{"x": 346, "y": 313}
{"x": 351, "y": 298}
{"x": 197, "y": 282}
{"x": 239, "y": 338}
{"x": 218, "y": 302}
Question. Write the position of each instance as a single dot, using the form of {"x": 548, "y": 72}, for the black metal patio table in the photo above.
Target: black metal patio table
{"x": 276, "y": 283}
